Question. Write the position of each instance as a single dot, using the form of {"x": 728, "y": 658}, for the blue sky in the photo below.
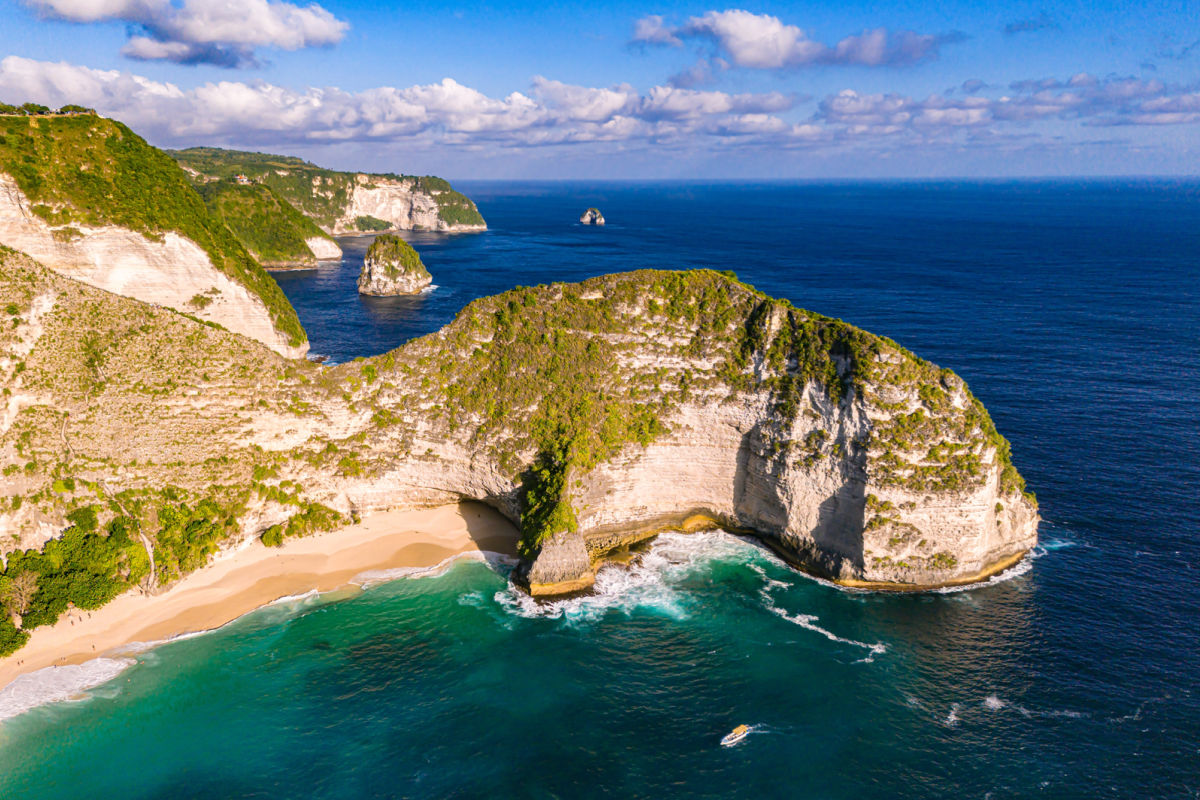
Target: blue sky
{"x": 635, "y": 89}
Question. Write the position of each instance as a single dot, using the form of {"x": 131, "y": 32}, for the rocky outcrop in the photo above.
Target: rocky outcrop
{"x": 593, "y": 414}
{"x": 164, "y": 269}
{"x": 592, "y": 217}
{"x": 392, "y": 267}
{"x": 402, "y": 203}
{"x": 324, "y": 249}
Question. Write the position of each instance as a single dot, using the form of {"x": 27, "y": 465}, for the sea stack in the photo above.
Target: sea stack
{"x": 392, "y": 267}
{"x": 592, "y": 217}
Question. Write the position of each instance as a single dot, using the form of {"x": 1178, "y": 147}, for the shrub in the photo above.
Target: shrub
{"x": 369, "y": 223}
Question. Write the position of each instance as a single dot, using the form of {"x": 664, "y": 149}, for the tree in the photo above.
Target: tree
{"x": 17, "y": 593}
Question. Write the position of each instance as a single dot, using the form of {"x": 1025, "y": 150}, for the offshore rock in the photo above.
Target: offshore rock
{"x": 392, "y": 267}
{"x": 592, "y": 217}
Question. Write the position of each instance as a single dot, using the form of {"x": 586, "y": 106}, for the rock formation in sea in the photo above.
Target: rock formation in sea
{"x": 591, "y": 414}
{"x": 392, "y": 267}
{"x": 592, "y": 217}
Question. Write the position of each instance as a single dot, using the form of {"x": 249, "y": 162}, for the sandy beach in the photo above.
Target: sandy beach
{"x": 241, "y": 580}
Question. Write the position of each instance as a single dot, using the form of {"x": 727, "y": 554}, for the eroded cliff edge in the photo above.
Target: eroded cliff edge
{"x": 593, "y": 414}
{"x": 92, "y": 200}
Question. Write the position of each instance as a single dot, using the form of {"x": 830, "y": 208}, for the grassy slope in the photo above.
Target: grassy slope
{"x": 95, "y": 171}
{"x": 321, "y": 194}
{"x": 270, "y": 228}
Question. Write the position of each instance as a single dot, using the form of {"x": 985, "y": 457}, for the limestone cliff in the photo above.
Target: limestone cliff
{"x": 93, "y": 200}
{"x": 323, "y": 248}
{"x": 403, "y": 203}
{"x": 392, "y": 267}
{"x": 342, "y": 202}
{"x": 270, "y": 228}
{"x": 594, "y": 414}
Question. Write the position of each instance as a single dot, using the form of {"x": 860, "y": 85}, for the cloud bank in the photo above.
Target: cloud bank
{"x": 218, "y": 32}
{"x": 551, "y": 113}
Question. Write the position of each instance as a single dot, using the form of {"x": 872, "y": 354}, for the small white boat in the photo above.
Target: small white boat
{"x": 735, "y": 735}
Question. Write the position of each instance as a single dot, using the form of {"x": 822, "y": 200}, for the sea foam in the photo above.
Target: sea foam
{"x": 650, "y": 582}
{"x": 57, "y": 684}
{"x": 809, "y": 621}
{"x": 374, "y": 577}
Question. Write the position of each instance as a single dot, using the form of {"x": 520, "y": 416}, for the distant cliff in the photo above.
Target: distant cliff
{"x": 593, "y": 414}
{"x": 342, "y": 202}
{"x": 91, "y": 199}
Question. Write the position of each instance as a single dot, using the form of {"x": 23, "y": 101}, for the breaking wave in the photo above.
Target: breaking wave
{"x": 654, "y": 580}
{"x": 375, "y": 577}
{"x": 650, "y": 582}
{"x": 58, "y": 684}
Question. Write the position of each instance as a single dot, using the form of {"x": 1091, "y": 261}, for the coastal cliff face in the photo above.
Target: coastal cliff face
{"x": 392, "y": 267}
{"x": 403, "y": 204}
{"x": 593, "y": 414}
{"x": 323, "y": 248}
{"x": 167, "y": 270}
{"x": 271, "y": 230}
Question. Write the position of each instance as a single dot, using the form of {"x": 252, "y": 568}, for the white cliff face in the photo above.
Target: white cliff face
{"x": 395, "y": 202}
{"x": 718, "y": 462}
{"x": 173, "y": 272}
{"x": 592, "y": 217}
{"x": 324, "y": 249}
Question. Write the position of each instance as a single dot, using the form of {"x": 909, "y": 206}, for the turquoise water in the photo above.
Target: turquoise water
{"x": 459, "y": 686}
{"x": 1073, "y": 311}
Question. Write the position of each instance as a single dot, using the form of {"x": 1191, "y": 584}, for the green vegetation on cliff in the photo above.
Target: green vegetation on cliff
{"x": 321, "y": 194}
{"x": 271, "y": 229}
{"x": 93, "y": 171}
{"x": 102, "y": 369}
{"x": 397, "y": 257}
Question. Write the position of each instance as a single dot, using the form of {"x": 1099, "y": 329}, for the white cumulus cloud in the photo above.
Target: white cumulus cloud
{"x": 219, "y": 32}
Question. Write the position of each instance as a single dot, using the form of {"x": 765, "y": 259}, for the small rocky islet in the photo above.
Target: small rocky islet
{"x": 592, "y": 217}
{"x": 392, "y": 267}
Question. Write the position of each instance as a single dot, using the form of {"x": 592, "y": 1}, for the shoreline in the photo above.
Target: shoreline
{"x": 251, "y": 575}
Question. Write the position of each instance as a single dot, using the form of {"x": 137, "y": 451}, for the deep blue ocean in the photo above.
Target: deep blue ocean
{"x": 1073, "y": 311}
